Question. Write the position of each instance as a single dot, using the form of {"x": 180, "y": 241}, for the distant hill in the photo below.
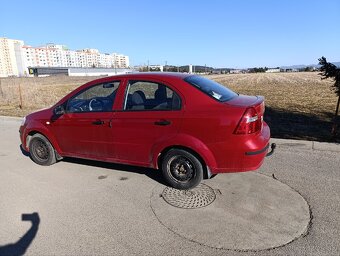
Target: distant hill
{"x": 199, "y": 68}
{"x": 202, "y": 69}
{"x": 305, "y": 66}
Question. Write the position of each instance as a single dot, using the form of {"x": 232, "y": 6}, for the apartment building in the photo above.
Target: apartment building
{"x": 59, "y": 56}
{"x": 16, "y": 58}
{"x": 93, "y": 58}
{"x": 12, "y": 60}
{"x": 43, "y": 57}
{"x": 121, "y": 61}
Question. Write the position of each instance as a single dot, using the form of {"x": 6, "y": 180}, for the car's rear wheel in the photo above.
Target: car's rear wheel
{"x": 41, "y": 150}
{"x": 181, "y": 169}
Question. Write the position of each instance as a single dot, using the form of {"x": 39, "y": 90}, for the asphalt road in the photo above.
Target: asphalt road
{"x": 78, "y": 207}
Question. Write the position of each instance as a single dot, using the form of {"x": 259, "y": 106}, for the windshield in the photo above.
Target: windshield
{"x": 211, "y": 88}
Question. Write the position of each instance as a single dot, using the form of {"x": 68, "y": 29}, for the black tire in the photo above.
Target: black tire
{"x": 181, "y": 169}
{"x": 41, "y": 150}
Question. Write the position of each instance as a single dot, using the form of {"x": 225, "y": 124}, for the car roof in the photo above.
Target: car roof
{"x": 141, "y": 75}
{"x": 157, "y": 74}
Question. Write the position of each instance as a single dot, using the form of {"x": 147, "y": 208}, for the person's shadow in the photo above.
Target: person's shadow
{"x": 20, "y": 247}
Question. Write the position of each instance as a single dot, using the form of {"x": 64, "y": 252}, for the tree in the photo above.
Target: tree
{"x": 308, "y": 69}
{"x": 329, "y": 70}
{"x": 143, "y": 69}
{"x": 258, "y": 70}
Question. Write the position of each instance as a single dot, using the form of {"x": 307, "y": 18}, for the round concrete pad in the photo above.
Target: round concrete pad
{"x": 251, "y": 212}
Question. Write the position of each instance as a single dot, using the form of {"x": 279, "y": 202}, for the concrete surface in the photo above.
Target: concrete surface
{"x": 251, "y": 212}
{"x": 82, "y": 207}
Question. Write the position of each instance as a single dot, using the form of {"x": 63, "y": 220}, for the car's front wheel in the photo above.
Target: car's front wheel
{"x": 41, "y": 150}
{"x": 181, "y": 169}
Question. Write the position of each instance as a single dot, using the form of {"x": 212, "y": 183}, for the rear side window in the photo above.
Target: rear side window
{"x": 211, "y": 88}
{"x": 147, "y": 95}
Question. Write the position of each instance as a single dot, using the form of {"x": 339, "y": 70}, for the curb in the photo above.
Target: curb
{"x": 283, "y": 143}
{"x": 11, "y": 118}
{"x": 305, "y": 144}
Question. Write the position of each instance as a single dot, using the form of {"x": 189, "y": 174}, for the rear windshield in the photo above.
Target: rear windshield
{"x": 211, "y": 88}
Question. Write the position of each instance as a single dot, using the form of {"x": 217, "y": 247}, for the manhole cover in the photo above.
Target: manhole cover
{"x": 198, "y": 197}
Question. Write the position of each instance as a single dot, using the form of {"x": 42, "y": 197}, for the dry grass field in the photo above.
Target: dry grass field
{"x": 36, "y": 92}
{"x": 298, "y": 105}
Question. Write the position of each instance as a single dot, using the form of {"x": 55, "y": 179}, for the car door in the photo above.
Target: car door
{"x": 151, "y": 114}
{"x": 85, "y": 128}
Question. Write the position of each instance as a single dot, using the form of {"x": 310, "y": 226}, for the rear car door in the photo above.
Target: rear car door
{"x": 152, "y": 113}
{"x": 85, "y": 128}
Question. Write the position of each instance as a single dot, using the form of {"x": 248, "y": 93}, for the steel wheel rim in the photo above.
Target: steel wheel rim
{"x": 181, "y": 168}
{"x": 40, "y": 150}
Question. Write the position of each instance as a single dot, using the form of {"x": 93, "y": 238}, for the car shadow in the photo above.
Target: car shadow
{"x": 149, "y": 172}
{"x": 154, "y": 174}
{"x": 21, "y": 246}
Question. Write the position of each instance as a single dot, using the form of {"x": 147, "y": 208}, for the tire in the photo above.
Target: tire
{"x": 181, "y": 169}
{"x": 41, "y": 150}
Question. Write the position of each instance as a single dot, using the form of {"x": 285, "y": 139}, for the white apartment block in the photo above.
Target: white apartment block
{"x": 59, "y": 56}
{"x": 15, "y": 57}
{"x": 12, "y": 60}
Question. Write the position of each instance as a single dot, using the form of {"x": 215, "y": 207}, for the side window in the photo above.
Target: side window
{"x": 144, "y": 95}
{"x": 98, "y": 98}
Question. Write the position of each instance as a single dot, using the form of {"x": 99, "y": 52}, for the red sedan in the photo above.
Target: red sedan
{"x": 187, "y": 126}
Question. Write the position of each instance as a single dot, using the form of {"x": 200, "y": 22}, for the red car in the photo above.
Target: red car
{"x": 186, "y": 125}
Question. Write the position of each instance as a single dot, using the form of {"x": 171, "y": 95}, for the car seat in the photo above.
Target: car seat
{"x": 138, "y": 100}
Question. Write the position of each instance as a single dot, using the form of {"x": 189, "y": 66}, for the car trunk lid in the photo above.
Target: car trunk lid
{"x": 252, "y": 119}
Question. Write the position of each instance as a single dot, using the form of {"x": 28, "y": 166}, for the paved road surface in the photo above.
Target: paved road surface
{"x": 78, "y": 207}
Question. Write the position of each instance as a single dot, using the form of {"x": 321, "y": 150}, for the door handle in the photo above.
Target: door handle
{"x": 162, "y": 122}
{"x": 98, "y": 122}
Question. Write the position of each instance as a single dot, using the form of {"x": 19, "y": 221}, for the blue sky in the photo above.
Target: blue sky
{"x": 218, "y": 33}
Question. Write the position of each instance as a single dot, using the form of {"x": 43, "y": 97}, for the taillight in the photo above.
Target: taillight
{"x": 250, "y": 122}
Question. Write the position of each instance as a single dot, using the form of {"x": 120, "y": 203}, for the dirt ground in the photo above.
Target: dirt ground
{"x": 298, "y": 105}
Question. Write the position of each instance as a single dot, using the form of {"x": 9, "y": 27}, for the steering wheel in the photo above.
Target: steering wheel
{"x": 77, "y": 109}
{"x": 96, "y": 104}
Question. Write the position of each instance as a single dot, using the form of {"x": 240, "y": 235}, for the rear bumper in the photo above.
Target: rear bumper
{"x": 265, "y": 149}
{"x": 243, "y": 153}
{"x": 251, "y": 153}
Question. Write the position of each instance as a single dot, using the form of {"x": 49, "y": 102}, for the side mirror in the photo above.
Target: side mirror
{"x": 59, "y": 110}
{"x": 108, "y": 85}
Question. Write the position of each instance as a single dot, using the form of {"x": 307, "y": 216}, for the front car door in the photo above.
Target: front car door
{"x": 151, "y": 114}
{"x": 85, "y": 129}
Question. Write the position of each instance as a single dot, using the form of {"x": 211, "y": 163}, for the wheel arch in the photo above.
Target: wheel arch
{"x": 47, "y": 135}
{"x": 205, "y": 166}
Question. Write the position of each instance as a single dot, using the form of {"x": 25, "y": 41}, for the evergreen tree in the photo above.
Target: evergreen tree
{"x": 329, "y": 70}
